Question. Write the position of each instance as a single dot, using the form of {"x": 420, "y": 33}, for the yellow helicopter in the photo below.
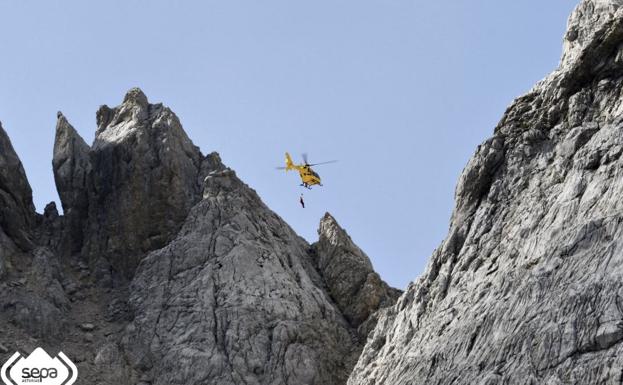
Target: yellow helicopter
{"x": 308, "y": 176}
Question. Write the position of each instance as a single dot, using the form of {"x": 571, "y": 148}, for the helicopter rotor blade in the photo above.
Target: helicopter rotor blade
{"x": 280, "y": 168}
{"x": 304, "y": 155}
{"x": 318, "y": 164}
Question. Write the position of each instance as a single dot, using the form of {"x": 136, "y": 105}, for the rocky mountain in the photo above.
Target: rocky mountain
{"x": 357, "y": 289}
{"x": 527, "y": 287}
{"x": 167, "y": 269}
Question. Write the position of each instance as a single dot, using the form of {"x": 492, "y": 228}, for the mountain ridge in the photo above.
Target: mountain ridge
{"x": 166, "y": 268}
{"x": 213, "y": 287}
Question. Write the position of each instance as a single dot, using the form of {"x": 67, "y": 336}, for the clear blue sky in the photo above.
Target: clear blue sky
{"x": 401, "y": 92}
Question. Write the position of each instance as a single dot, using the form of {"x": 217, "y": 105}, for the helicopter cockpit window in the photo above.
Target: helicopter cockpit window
{"x": 315, "y": 174}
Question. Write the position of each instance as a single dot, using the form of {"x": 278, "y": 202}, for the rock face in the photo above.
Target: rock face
{"x": 22, "y": 299}
{"x": 353, "y": 284}
{"x": 131, "y": 191}
{"x": 241, "y": 303}
{"x": 31, "y": 295}
{"x": 72, "y": 166}
{"x": 167, "y": 269}
{"x": 17, "y": 212}
{"x": 526, "y": 288}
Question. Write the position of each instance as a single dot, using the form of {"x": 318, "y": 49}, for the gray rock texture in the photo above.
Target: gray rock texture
{"x": 72, "y": 167}
{"x": 526, "y": 288}
{"x": 30, "y": 294}
{"x": 145, "y": 167}
{"x": 129, "y": 192}
{"x": 353, "y": 284}
{"x": 32, "y": 299}
{"x": 167, "y": 269}
{"x": 17, "y": 212}
{"x": 236, "y": 298}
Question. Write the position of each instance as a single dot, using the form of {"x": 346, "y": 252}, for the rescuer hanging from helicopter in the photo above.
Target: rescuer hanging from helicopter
{"x": 302, "y": 201}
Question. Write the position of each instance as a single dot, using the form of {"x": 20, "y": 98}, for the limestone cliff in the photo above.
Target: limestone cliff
{"x": 167, "y": 269}
{"x": 526, "y": 288}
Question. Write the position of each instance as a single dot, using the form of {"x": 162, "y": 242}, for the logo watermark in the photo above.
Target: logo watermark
{"x": 39, "y": 368}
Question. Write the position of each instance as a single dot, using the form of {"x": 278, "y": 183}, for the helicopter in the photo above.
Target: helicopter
{"x": 308, "y": 176}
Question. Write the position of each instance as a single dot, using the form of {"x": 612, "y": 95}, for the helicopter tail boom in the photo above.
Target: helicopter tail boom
{"x": 289, "y": 163}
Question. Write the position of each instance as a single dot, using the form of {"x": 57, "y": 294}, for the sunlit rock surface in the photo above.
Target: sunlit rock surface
{"x": 526, "y": 288}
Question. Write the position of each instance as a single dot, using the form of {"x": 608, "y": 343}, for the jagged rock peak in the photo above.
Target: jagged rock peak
{"x": 144, "y": 165}
{"x": 103, "y": 116}
{"x": 17, "y": 211}
{"x": 348, "y": 273}
{"x": 132, "y": 115}
{"x": 136, "y": 96}
{"x": 565, "y": 98}
{"x": 66, "y": 135}
{"x": 588, "y": 18}
{"x": 212, "y": 162}
{"x": 331, "y": 233}
{"x": 71, "y": 166}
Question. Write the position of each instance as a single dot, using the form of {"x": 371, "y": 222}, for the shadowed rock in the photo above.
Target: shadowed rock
{"x": 17, "y": 212}
{"x": 131, "y": 191}
{"x": 72, "y": 166}
{"x": 143, "y": 182}
{"x": 31, "y": 296}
